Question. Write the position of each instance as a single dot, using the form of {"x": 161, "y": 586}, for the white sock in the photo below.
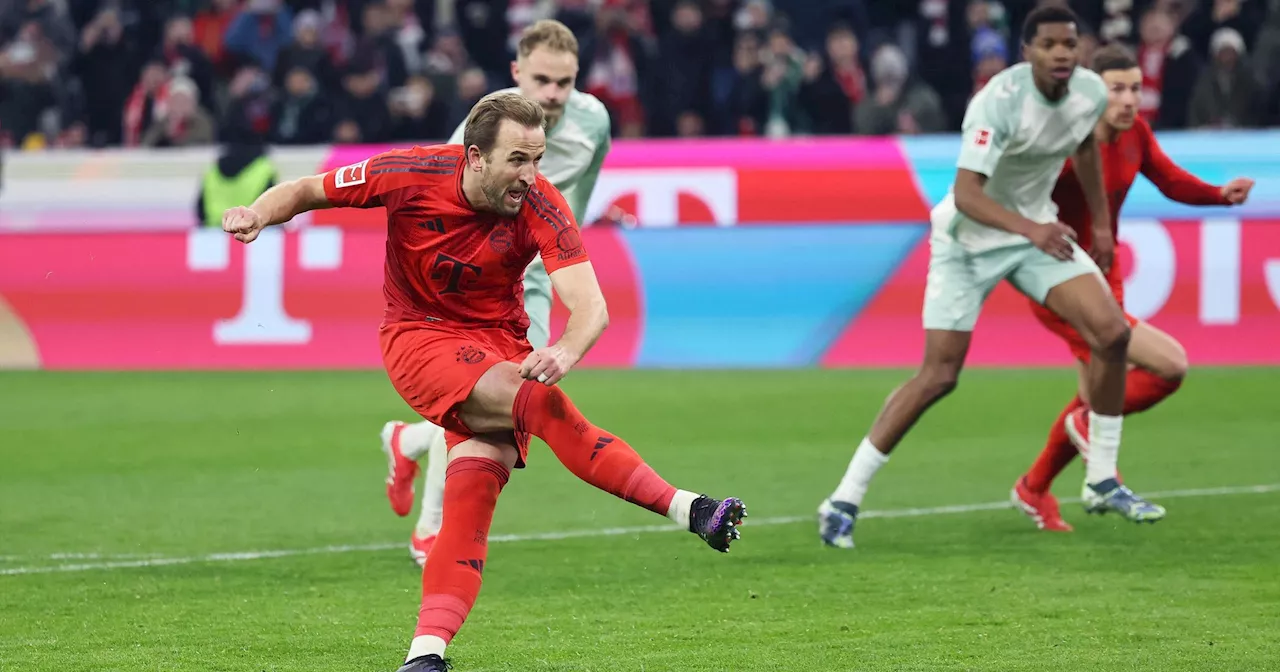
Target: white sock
{"x": 866, "y": 461}
{"x": 681, "y": 505}
{"x": 431, "y": 516}
{"x": 425, "y": 645}
{"x": 416, "y": 438}
{"x": 1104, "y": 447}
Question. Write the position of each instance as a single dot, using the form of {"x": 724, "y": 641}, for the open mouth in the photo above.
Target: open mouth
{"x": 516, "y": 196}
{"x": 1062, "y": 72}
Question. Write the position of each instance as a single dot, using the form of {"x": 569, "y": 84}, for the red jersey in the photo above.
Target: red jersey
{"x": 446, "y": 262}
{"x": 1131, "y": 152}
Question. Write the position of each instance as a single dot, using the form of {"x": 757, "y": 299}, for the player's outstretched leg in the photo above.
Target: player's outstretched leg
{"x": 502, "y": 400}
{"x": 944, "y": 354}
{"x": 451, "y": 579}
{"x": 1087, "y": 305}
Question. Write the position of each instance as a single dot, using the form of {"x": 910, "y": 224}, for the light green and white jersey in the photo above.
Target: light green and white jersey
{"x": 576, "y": 147}
{"x": 1020, "y": 140}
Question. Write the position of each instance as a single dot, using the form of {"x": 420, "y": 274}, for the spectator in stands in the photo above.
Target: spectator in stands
{"x": 37, "y": 41}
{"x": 259, "y": 32}
{"x": 990, "y": 56}
{"x": 1245, "y": 17}
{"x": 685, "y": 54}
{"x": 306, "y": 52}
{"x": 1226, "y": 95}
{"x": 416, "y": 114}
{"x": 181, "y": 122}
{"x": 362, "y": 112}
{"x": 142, "y": 105}
{"x": 615, "y": 61}
{"x": 249, "y": 103}
{"x": 834, "y": 83}
{"x": 378, "y": 46}
{"x": 302, "y": 116}
{"x": 210, "y": 31}
{"x": 746, "y": 107}
{"x": 105, "y": 65}
{"x": 473, "y": 84}
{"x": 184, "y": 59}
{"x": 409, "y": 31}
{"x": 1169, "y": 69}
{"x": 899, "y": 104}
{"x": 942, "y": 49}
{"x": 1266, "y": 56}
{"x": 783, "y": 75}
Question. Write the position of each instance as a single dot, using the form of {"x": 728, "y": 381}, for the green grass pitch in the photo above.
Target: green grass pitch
{"x": 117, "y": 491}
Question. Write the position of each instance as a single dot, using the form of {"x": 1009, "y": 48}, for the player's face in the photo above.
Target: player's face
{"x": 1053, "y": 55}
{"x": 547, "y": 76}
{"x": 1124, "y": 95}
{"x": 512, "y": 167}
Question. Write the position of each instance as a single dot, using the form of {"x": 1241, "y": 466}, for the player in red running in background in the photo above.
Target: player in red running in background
{"x": 1157, "y": 361}
{"x": 463, "y": 223}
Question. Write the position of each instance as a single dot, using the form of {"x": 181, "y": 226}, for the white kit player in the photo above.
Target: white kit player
{"x": 999, "y": 222}
{"x": 546, "y": 70}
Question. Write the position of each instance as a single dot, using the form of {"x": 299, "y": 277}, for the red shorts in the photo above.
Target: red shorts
{"x": 1079, "y": 348}
{"x": 434, "y": 369}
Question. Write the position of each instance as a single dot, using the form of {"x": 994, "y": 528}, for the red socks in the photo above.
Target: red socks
{"x": 590, "y": 453}
{"x": 1057, "y": 454}
{"x": 1142, "y": 390}
{"x": 451, "y": 578}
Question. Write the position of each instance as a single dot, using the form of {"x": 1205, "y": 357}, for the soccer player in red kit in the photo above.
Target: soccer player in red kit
{"x": 463, "y": 222}
{"x": 1157, "y": 361}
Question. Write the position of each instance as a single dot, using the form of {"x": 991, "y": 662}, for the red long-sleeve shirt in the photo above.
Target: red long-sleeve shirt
{"x": 1131, "y": 152}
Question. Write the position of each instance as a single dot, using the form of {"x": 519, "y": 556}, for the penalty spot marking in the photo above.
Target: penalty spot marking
{"x": 110, "y": 562}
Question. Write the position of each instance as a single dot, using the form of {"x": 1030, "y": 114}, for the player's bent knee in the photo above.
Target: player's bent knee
{"x": 488, "y": 408}
{"x": 1112, "y": 337}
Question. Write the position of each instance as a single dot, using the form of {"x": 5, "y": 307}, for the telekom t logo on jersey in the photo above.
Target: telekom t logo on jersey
{"x": 262, "y": 318}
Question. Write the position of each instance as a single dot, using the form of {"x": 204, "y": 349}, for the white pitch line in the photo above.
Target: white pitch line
{"x": 153, "y": 561}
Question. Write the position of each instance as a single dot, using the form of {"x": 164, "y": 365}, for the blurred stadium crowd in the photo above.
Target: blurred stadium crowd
{"x": 192, "y": 72}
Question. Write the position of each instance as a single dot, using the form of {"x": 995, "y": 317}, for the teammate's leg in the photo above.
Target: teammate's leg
{"x": 1076, "y": 291}
{"x": 954, "y": 293}
{"x": 1158, "y": 364}
{"x": 478, "y": 469}
{"x": 502, "y": 400}
{"x": 404, "y": 444}
{"x": 537, "y": 303}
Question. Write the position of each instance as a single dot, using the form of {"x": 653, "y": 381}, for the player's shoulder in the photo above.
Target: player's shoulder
{"x": 546, "y": 204}
{"x": 1005, "y": 88}
{"x": 587, "y": 110}
{"x": 1088, "y": 82}
{"x": 418, "y": 163}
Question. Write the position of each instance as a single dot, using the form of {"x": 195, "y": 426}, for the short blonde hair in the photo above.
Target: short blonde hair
{"x": 488, "y": 114}
{"x": 547, "y": 33}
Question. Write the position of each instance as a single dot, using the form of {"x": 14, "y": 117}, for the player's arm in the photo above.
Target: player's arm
{"x": 359, "y": 185}
{"x": 579, "y": 289}
{"x": 574, "y": 281}
{"x": 1087, "y": 162}
{"x": 1181, "y": 186}
{"x": 276, "y": 205}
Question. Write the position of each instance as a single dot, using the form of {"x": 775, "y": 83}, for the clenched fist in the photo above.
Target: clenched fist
{"x": 547, "y": 365}
{"x": 243, "y": 223}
